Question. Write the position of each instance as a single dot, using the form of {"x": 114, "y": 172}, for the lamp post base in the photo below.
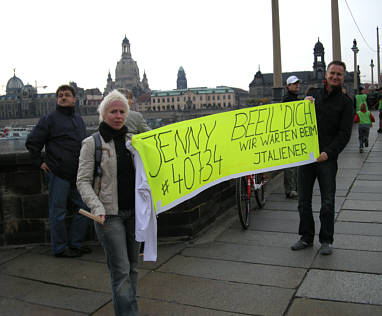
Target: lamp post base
{"x": 277, "y": 94}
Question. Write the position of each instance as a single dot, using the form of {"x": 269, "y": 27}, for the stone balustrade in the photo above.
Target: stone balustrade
{"x": 24, "y": 206}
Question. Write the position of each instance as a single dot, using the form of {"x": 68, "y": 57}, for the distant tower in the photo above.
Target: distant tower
{"x": 145, "y": 84}
{"x": 181, "y": 82}
{"x": 319, "y": 66}
{"x": 109, "y": 84}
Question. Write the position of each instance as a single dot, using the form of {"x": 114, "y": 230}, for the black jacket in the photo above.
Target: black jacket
{"x": 334, "y": 114}
{"x": 61, "y": 132}
{"x": 289, "y": 97}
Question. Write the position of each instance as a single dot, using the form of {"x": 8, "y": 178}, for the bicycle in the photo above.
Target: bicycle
{"x": 244, "y": 198}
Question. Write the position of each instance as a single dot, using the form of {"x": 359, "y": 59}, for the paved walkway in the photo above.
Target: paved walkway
{"x": 228, "y": 271}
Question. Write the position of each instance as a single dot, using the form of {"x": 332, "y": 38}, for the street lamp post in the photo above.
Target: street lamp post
{"x": 277, "y": 73}
{"x": 336, "y": 38}
{"x": 355, "y": 51}
{"x": 372, "y": 74}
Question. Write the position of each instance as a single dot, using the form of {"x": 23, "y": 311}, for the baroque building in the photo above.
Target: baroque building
{"x": 189, "y": 99}
{"x": 262, "y": 84}
{"x": 24, "y": 101}
{"x": 127, "y": 75}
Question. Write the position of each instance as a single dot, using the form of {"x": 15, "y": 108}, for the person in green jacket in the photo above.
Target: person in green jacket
{"x": 380, "y": 109}
{"x": 365, "y": 120}
{"x": 359, "y": 99}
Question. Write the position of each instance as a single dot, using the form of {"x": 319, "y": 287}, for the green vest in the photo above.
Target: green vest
{"x": 364, "y": 117}
{"x": 380, "y": 104}
{"x": 359, "y": 98}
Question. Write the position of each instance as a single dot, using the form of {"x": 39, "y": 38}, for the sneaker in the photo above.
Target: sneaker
{"x": 69, "y": 253}
{"x": 325, "y": 249}
{"x": 361, "y": 150}
{"x": 301, "y": 244}
{"x": 293, "y": 195}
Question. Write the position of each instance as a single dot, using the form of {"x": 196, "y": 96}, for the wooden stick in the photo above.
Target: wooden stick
{"x": 91, "y": 216}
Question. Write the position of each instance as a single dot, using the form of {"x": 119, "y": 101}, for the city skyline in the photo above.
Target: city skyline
{"x": 216, "y": 42}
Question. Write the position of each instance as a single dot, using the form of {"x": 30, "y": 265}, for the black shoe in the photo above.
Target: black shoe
{"x": 367, "y": 143}
{"x": 325, "y": 249}
{"x": 82, "y": 249}
{"x": 69, "y": 253}
{"x": 301, "y": 244}
{"x": 379, "y": 130}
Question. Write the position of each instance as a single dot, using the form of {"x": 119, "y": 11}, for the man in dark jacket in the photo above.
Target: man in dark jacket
{"x": 334, "y": 114}
{"x": 290, "y": 174}
{"x": 61, "y": 133}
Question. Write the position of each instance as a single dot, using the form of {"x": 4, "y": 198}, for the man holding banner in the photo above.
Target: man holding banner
{"x": 334, "y": 113}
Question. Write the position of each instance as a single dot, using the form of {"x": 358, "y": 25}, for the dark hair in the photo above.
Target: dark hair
{"x": 338, "y": 63}
{"x": 66, "y": 87}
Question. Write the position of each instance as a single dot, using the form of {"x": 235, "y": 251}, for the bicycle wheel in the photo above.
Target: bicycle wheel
{"x": 243, "y": 200}
{"x": 260, "y": 190}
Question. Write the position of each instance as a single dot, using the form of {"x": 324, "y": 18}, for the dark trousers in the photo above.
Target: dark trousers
{"x": 363, "y": 134}
{"x": 325, "y": 173}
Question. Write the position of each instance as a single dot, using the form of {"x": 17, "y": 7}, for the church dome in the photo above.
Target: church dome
{"x": 259, "y": 75}
{"x": 258, "y": 80}
{"x": 125, "y": 41}
{"x": 318, "y": 46}
{"x": 14, "y": 85}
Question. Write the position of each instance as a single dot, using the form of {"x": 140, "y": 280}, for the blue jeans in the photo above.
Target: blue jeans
{"x": 325, "y": 172}
{"x": 59, "y": 192}
{"x": 117, "y": 237}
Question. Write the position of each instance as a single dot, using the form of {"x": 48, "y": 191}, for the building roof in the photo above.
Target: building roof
{"x": 14, "y": 84}
{"x": 304, "y": 76}
{"x": 199, "y": 90}
{"x": 93, "y": 91}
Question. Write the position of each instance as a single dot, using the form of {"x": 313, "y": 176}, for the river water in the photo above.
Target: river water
{"x": 12, "y": 146}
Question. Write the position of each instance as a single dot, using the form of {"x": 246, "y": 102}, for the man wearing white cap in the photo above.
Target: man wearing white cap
{"x": 290, "y": 174}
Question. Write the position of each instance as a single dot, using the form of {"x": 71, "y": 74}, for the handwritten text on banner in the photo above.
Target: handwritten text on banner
{"x": 185, "y": 158}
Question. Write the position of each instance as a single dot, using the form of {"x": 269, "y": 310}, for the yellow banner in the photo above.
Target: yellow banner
{"x": 185, "y": 158}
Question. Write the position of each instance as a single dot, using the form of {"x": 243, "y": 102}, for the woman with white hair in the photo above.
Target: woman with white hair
{"x": 111, "y": 197}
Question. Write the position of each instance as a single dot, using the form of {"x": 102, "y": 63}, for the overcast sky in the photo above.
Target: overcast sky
{"x": 218, "y": 42}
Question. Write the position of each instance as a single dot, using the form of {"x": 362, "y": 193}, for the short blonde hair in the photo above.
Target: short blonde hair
{"x": 114, "y": 95}
{"x": 363, "y": 106}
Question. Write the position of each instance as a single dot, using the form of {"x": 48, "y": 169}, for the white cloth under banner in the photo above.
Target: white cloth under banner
{"x": 145, "y": 217}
